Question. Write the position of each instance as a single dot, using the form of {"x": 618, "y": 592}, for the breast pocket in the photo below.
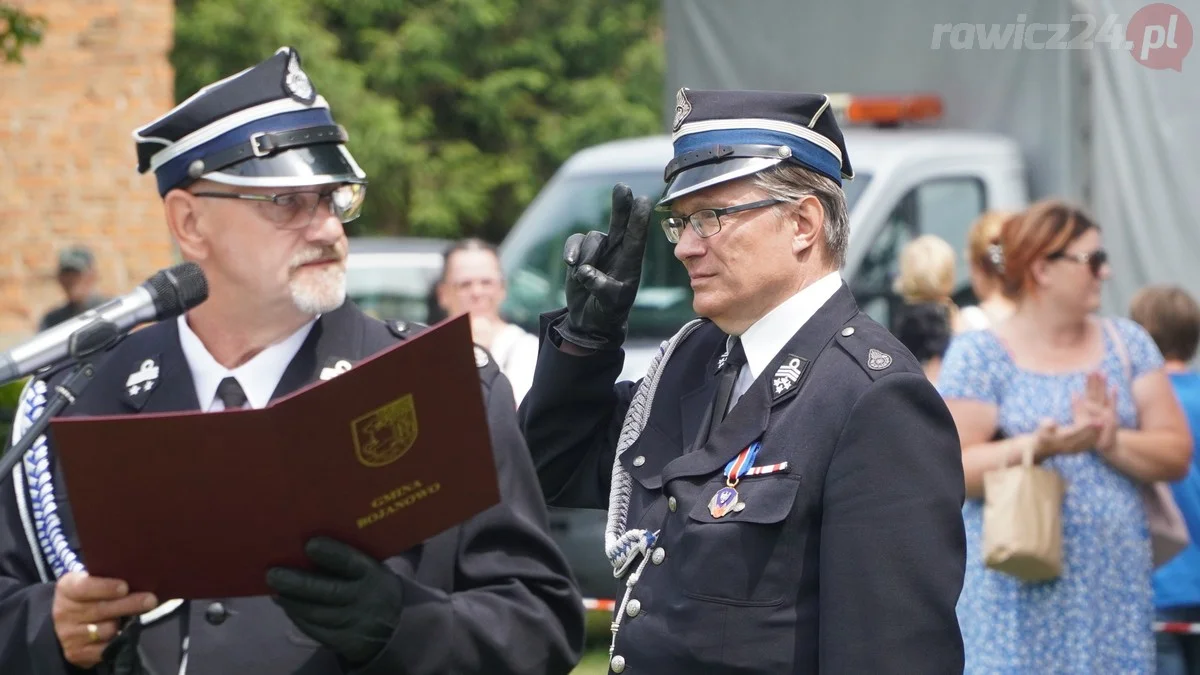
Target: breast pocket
{"x": 745, "y": 556}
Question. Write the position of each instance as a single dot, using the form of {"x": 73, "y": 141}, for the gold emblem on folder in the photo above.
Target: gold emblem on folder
{"x": 383, "y": 435}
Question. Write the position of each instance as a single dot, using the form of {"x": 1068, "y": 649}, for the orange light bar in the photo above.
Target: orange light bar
{"x": 886, "y": 109}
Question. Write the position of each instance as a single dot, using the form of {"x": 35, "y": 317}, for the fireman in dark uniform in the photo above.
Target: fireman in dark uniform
{"x": 784, "y": 485}
{"x": 257, "y": 183}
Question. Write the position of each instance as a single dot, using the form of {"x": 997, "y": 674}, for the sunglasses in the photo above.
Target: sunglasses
{"x": 1095, "y": 260}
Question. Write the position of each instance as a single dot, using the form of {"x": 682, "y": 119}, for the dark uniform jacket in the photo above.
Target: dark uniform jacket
{"x": 493, "y": 595}
{"x": 849, "y": 561}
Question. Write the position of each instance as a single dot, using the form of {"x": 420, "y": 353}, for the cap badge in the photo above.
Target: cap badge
{"x": 683, "y": 108}
{"x": 296, "y": 82}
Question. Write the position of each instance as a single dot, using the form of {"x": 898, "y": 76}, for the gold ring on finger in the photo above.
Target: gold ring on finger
{"x": 93, "y": 632}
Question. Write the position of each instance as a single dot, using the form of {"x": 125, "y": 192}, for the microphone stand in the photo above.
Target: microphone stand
{"x": 97, "y": 336}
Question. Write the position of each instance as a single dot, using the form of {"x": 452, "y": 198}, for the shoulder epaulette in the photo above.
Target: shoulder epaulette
{"x": 405, "y": 329}
{"x": 859, "y": 343}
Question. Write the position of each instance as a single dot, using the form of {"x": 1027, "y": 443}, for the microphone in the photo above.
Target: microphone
{"x": 167, "y": 294}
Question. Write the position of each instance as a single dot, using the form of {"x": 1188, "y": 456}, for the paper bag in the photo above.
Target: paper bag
{"x": 1022, "y": 520}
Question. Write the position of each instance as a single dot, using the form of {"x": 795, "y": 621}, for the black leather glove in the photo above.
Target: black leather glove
{"x": 603, "y": 272}
{"x": 351, "y": 604}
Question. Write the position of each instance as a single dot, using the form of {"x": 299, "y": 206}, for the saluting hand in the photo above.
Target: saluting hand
{"x": 85, "y": 613}
{"x": 603, "y": 273}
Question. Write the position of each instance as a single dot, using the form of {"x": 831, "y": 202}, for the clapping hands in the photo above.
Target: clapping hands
{"x": 1097, "y": 406}
{"x": 1094, "y": 424}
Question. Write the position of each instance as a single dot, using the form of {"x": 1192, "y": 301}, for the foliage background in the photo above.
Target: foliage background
{"x": 18, "y": 29}
{"x": 458, "y": 110}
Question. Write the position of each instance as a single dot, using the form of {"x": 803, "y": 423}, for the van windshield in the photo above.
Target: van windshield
{"x": 536, "y": 274}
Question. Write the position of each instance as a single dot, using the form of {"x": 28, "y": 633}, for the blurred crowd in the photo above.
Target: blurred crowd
{"x": 1034, "y": 354}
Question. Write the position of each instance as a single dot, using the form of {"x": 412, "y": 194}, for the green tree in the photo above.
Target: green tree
{"x": 458, "y": 110}
{"x": 18, "y": 30}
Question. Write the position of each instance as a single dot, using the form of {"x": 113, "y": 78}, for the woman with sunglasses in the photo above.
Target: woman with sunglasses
{"x": 1091, "y": 393}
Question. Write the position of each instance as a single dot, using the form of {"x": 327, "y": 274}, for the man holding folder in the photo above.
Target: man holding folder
{"x": 257, "y": 183}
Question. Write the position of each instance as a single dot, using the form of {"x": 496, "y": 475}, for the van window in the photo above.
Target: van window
{"x": 536, "y": 273}
{"x": 945, "y": 207}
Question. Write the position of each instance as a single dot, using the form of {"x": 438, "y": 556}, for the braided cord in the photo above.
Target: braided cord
{"x": 620, "y": 545}
{"x": 55, "y": 549}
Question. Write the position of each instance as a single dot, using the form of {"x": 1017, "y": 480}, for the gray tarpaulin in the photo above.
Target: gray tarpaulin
{"x": 1096, "y": 126}
{"x": 1145, "y": 170}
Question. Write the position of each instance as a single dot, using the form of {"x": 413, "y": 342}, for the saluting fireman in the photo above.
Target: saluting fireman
{"x": 784, "y": 486}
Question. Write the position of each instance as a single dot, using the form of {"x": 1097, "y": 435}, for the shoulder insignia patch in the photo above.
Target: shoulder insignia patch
{"x": 877, "y": 360}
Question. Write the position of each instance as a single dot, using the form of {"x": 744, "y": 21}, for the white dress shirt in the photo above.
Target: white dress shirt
{"x": 259, "y": 376}
{"x": 766, "y": 337}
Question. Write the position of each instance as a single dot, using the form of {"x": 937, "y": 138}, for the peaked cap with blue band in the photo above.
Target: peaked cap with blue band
{"x": 263, "y": 127}
{"x": 723, "y": 135}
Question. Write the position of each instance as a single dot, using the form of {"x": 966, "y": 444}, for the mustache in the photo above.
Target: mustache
{"x": 318, "y": 254}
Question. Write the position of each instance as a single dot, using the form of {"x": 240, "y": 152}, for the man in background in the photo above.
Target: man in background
{"x": 473, "y": 283}
{"x": 78, "y": 278}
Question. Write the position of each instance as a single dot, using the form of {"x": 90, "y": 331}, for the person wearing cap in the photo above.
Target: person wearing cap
{"x": 784, "y": 486}
{"x": 77, "y": 277}
{"x": 257, "y": 182}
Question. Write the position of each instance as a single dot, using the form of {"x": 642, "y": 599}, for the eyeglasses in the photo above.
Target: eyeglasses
{"x": 295, "y": 210}
{"x": 1095, "y": 260}
{"x": 707, "y": 222}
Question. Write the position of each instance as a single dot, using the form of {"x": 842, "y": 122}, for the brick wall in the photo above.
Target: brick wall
{"x": 67, "y": 160}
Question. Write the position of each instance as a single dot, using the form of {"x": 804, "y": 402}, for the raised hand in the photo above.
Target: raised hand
{"x": 603, "y": 273}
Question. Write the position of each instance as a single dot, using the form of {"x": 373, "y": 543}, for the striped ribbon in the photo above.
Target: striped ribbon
{"x": 738, "y": 466}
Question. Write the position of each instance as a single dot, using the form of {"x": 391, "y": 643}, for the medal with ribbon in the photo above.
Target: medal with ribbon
{"x": 726, "y": 499}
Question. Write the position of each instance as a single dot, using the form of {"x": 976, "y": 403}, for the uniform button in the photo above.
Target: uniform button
{"x": 216, "y": 614}
{"x": 639, "y": 460}
{"x": 617, "y": 664}
{"x": 658, "y": 556}
{"x": 633, "y": 608}
{"x": 847, "y": 331}
{"x": 672, "y": 504}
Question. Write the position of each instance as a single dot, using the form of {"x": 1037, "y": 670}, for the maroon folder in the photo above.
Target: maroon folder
{"x": 200, "y": 505}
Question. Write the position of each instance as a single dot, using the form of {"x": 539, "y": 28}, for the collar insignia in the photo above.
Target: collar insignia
{"x": 337, "y": 368}
{"x": 787, "y": 375}
{"x": 142, "y": 381}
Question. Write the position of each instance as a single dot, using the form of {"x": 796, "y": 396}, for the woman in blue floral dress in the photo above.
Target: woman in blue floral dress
{"x": 1116, "y": 422}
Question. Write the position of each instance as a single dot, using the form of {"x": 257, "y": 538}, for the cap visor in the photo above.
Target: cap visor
{"x": 295, "y": 167}
{"x": 707, "y": 175}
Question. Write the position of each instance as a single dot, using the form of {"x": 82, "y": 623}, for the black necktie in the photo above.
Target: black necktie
{"x": 726, "y": 378}
{"x": 231, "y": 394}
